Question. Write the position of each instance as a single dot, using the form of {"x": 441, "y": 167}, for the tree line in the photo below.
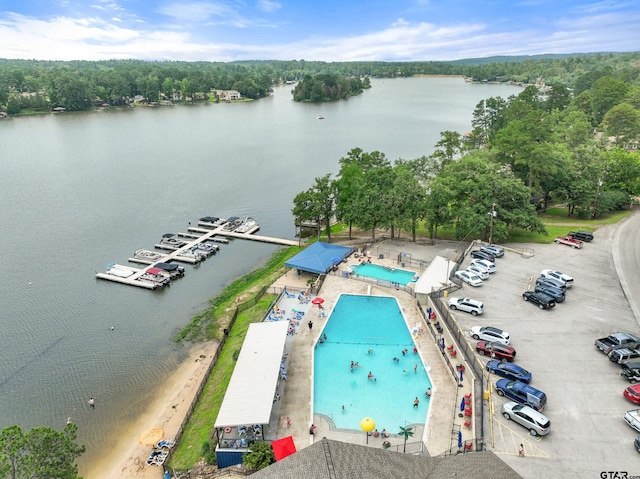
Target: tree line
{"x": 538, "y": 146}
{"x": 328, "y": 87}
{"x": 34, "y": 86}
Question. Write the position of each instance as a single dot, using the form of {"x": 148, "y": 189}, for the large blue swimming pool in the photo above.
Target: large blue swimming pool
{"x": 371, "y": 331}
{"x": 387, "y": 273}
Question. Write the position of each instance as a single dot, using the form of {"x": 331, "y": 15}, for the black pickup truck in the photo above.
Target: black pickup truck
{"x": 581, "y": 235}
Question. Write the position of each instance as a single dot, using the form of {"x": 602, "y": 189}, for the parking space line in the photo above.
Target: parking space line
{"x": 508, "y": 435}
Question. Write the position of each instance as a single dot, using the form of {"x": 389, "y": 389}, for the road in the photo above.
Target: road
{"x": 584, "y": 389}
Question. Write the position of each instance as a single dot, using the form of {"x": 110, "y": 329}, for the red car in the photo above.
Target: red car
{"x": 632, "y": 393}
{"x": 496, "y": 350}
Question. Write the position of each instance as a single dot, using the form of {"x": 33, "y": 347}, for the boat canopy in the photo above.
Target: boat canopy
{"x": 154, "y": 270}
{"x": 167, "y": 266}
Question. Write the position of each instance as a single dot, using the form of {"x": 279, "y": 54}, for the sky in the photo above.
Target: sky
{"x": 325, "y": 30}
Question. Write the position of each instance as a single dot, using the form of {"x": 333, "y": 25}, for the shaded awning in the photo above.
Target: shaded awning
{"x": 154, "y": 270}
{"x": 319, "y": 258}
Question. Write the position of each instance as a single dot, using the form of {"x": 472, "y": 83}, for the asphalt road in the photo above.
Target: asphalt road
{"x": 584, "y": 389}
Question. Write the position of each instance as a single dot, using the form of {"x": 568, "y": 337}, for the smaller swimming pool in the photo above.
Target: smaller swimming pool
{"x": 387, "y": 273}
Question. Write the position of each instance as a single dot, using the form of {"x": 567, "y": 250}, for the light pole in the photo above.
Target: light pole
{"x": 493, "y": 215}
{"x": 595, "y": 203}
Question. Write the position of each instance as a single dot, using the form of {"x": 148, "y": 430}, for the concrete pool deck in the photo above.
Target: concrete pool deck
{"x": 439, "y": 433}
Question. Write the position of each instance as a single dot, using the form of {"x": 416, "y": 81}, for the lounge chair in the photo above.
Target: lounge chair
{"x": 242, "y": 430}
{"x": 288, "y": 294}
{"x": 166, "y": 443}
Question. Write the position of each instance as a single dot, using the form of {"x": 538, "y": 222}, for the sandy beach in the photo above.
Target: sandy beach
{"x": 126, "y": 459}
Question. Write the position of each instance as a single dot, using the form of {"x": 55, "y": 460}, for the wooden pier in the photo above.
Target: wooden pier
{"x": 198, "y": 235}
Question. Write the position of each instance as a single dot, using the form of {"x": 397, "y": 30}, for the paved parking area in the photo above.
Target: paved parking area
{"x": 584, "y": 389}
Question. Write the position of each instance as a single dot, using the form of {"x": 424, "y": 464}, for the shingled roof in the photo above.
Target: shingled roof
{"x": 328, "y": 459}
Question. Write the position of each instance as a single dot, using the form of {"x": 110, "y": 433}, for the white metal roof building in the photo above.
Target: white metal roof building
{"x": 249, "y": 396}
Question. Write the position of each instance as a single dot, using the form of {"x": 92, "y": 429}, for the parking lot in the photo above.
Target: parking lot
{"x": 584, "y": 389}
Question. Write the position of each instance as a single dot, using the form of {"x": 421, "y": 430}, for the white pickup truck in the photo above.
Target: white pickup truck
{"x": 632, "y": 418}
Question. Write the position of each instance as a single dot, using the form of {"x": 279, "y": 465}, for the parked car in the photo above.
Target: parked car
{"x": 489, "y": 333}
{"x": 581, "y": 235}
{"x": 482, "y": 273}
{"x": 494, "y": 250}
{"x": 632, "y": 393}
{"x": 551, "y": 282}
{"x": 558, "y": 276}
{"x": 478, "y": 254}
{"x": 636, "y": 443}
{"x": 624, "y": 355}
{"x": 469, "y": 278}
{"x": 496, "y": 350}
{"x": 509, "y": 371}
{"x": 617, "y": 340}
{"x": 569, "y": 241}
{"x": 467, "y": 305}
{"x": 542, "y": 300}
{"x": 483, "y": 263}
{"x": 631, "y": 372}
{"x": 522, "y": 393}
{"x": 632, "y": 418}
{"x": 537, "y": 423}
{"x": 555, "y": 293}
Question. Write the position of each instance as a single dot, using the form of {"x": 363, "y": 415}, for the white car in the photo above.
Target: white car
{"x": 483, "y": 263}
{"x": 558, "y": 276}
{"x": 466, "y": 304}
{"x": 469, "y": 278}
{"x": 488, "y": 333}
{"x": 477, "y": 270}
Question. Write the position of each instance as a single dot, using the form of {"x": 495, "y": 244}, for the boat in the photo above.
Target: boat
{"x": 117, "y": 270}
{"x": 232, "y": 223}
{"x": 147, "y": 255}
{"x": 174, "y": 270}
{"x": 170, "y": 240}
{"x": 157, "y": 276}
{"x": 195, "y": 253}
{"x": 321, "y": 117}
{"x": 249, "y": 224}
{"x": 208, "y": 247}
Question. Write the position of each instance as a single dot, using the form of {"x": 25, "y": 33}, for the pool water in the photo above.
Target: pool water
{"x": 400, "y": 276}
{"x": 357, "y": 325}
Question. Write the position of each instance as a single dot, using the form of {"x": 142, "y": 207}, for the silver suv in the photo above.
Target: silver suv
{"x": 622, "y": 356}
{"x": 536, "y": 423}
{"x": 466, "y": 304}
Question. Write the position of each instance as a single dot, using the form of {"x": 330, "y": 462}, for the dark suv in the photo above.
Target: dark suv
{"x": 542, "y": 281}
{"x": 555, "y": 293}
{"x": 542, "y": 300}
{"x": 479, "y": 254}
{"x": 581, "y": 235}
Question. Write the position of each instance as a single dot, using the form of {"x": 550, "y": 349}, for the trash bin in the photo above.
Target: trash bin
{"x": 402, "y": 264}
{"x": 167, "y": 475}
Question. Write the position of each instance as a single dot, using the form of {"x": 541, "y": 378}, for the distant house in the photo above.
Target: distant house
{"x": 228, "y": 95}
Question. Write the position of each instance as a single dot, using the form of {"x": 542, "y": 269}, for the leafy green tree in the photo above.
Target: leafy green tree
{"x": 259, "y": 456}
{"x": 623, "y": 120}
{"x": 622, "y": 171}
{"x": 406, "y": 432}
{"x": 448, "y": 148}
{"x": 41, "y": 453}
{"x": 606, "y": 93}
{"x": 411, "y": 202}
{"x": 487, "y": 119}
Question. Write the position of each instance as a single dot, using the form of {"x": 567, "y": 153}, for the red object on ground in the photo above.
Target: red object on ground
{"x": 317, "y": 301}
{"x": 283, "y": 447}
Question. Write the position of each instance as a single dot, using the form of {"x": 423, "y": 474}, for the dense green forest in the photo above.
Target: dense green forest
{"x": 38, "y": 86}
{"x": 544, "y": 144}
{"x": 329, "y": 87}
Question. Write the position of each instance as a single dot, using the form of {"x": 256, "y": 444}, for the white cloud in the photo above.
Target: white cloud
{"x": 198, "y": 11}
{"x": 268, "y": 6}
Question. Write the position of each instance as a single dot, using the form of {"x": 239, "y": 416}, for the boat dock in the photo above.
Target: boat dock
{"x": 132, "y": 275}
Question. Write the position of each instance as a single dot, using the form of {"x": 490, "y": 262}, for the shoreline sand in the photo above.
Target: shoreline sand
{"x": 126, "y": 459}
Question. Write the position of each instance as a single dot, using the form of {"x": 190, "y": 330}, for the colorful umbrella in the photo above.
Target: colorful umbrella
{"x": 462, "y": 405}
{"x": 317, "y": 301}
{"x": 460, "y": 439}
{"x": 283, "y": 447}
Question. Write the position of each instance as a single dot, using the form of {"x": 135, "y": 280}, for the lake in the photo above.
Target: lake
{"x": 82, "y": 190}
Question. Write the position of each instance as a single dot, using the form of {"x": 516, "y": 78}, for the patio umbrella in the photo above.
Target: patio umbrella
{"x": 459, "y": 439}
{"x": 462, "y": 405}
{"x": 442, "y": 344}
{"x": 151, "y": 436}
{"x": 283, "y": 447}
{"x": 317, "y": 300}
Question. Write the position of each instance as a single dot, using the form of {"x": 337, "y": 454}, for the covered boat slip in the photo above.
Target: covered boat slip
{"x": 248, "y": 402}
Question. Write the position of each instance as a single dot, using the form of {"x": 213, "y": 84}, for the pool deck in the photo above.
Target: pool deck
{"x": 439, "y": 433}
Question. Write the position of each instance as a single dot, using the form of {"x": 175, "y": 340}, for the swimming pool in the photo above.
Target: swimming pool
{"x": 394, "y": 275}
{"x": 358, "y": 324}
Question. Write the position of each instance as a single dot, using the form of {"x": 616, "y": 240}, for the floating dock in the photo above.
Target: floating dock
{"x": 198, "y": 235}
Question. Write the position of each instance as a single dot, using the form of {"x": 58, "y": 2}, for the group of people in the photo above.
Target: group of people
{"x": 354, "y": 364}
{"x": 377, "y": 433}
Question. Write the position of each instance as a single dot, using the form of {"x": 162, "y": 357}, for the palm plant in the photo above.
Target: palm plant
{"x": 406, "y": 432}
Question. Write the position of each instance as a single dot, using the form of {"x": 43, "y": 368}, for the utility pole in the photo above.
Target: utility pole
{"x": 492, "y": 214}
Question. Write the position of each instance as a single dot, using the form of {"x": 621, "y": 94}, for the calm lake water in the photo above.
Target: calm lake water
{"x": 79, "y": 191}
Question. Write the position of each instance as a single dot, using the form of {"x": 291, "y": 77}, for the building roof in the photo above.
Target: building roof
{"x": 249, "y": 396}
{"x": 319, "y": 257}
{"x": 338, "y": 460}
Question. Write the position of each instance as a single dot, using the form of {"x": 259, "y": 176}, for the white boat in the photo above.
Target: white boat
{"x": 247, "y": 225}
{"x": 157, "y": 276}
{"x": 119, "y": 271}
{"x": 208, "y": 247}
{"x": 148, "y": 255}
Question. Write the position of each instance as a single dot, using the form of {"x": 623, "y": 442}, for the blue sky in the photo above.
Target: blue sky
{"x": 327, "y": 30}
